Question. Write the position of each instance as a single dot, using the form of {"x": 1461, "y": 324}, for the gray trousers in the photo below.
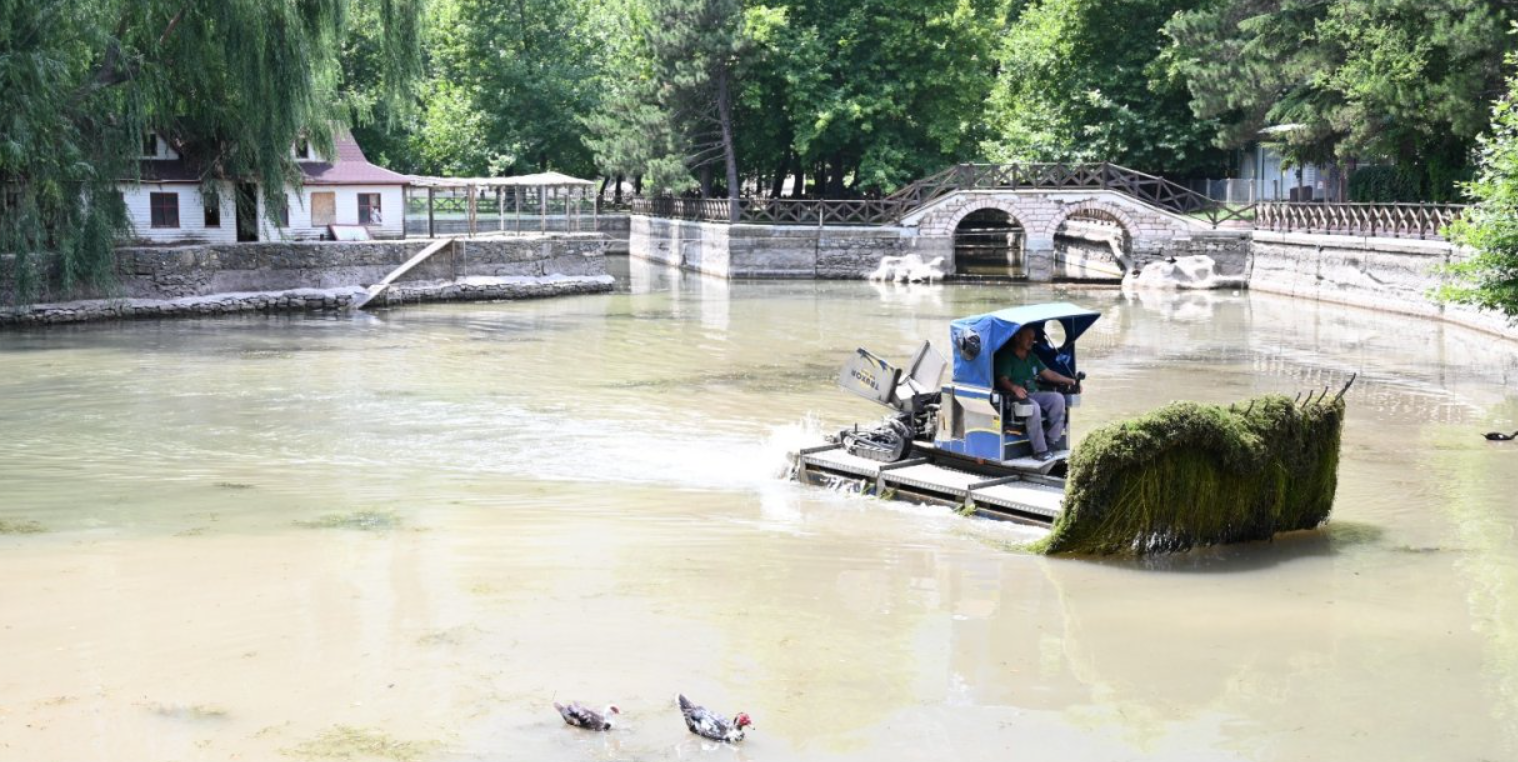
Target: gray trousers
{"x": 1050, "y": 408}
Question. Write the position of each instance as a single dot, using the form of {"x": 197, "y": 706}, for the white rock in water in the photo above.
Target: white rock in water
{"x": 908, "y": 269}
{"x": 1194, "y": 272}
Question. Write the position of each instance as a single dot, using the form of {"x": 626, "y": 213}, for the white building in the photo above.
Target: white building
{"x": 1262, "y": 178}
{"x": 168, "y": 205}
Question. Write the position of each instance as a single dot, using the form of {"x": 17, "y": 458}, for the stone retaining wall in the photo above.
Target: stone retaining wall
{"x": 1392, "y": 274}
{"x": 213, "y": 278}
{"x": 303, "y": 300}
{"x": 770, "y": 251}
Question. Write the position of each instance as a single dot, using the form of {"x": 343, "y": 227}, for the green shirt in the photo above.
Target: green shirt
{"x": 1020, "y": 371}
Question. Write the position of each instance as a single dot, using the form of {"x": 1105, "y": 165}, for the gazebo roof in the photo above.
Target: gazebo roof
{"x": 541, "y": 179}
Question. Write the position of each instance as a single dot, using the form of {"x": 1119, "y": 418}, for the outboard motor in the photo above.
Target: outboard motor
{"x": 913, "y": 393}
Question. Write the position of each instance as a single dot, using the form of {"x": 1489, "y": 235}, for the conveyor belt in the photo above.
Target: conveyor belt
{"x": 1026, "y": 497}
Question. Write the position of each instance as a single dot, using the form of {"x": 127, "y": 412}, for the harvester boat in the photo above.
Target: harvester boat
{"x": 965, "y": 443}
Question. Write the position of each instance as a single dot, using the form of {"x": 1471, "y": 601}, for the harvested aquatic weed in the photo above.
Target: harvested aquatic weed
{"x": 21, "y": 527}
{"x": 346, "y": 742}
{"x": 369, "y": 521}
{"x": 1191, "y": 474}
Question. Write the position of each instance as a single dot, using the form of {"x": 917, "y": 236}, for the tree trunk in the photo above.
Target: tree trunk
{"x": 617, "y": 193}
{"x": 799, "y": 189}
{"x": 729, "y": 154}
{"x": 704, "y": 177}
{"x": 638, "y": 185}
{"x": 835, "y": 177}
{"x": 777, "y": 186}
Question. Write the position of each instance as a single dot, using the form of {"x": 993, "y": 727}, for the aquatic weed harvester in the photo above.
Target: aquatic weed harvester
{"x": 1186, "y": 474}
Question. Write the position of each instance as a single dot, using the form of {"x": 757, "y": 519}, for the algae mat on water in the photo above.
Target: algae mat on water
{"x": 1191, "y": 474}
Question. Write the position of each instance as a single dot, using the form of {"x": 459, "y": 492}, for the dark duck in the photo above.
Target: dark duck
{"x": 708, "y": 724}
{"x": 1497, "y": 436}
{"x": 581, "y": 717}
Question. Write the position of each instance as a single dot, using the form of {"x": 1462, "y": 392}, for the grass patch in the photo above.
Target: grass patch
{"x": 345, "y": 742}
{"x": 368, "y": 521}
{"x": 21, "y": 527}
{"x": 1191, "y": 474}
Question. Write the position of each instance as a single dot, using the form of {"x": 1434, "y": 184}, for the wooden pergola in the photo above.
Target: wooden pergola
{"x": 544, "y": 195}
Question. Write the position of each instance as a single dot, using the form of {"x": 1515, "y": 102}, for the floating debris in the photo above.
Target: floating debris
{"x": 21, "y": 527}
{"x": 346, "y": 742}
{"x": 368, "y": 521}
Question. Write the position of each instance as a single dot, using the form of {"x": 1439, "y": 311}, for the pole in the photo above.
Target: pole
{"x": 431, "y": 220}
{"x": 542, "y": 208}
{"x": 516, "y": 195}
{"x": 500, "y": 207}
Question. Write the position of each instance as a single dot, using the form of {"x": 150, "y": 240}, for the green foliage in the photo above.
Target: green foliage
{"x": 233, "y": 84}
{"x": 1404, "y": 80}
{"x": 1075, "y": 86}
{"x": 1190, "y": 474}
{"x": 877, "y": 93}
{"x": 1488, "y": 277}
{"x": 1385, "y": 184}
{"x": 676, "y": 116}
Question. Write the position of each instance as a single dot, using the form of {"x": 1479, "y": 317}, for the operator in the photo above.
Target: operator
{"x": 1017, "y": 367}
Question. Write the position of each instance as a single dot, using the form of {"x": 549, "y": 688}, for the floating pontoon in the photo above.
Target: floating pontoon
{"x": 963, "y": 444}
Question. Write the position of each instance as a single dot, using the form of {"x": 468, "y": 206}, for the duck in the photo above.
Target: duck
{"x": 1497, "y": 436}
{"x": 708, "y": 724}
{"x": 583, "y": 717}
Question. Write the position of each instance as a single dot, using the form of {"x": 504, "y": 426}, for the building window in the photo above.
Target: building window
{"x": 150, "y": 145}
{"x": 164, "y": 209}
{"x": 303, "y": 150}
{"x": 323, "y": 209}
{"x": 368, "y": 208}
{"x": 282, "y": 212}
{"x": 213, "y": 213}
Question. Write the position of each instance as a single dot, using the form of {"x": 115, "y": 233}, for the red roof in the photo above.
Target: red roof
{"x": 350, "y": 168}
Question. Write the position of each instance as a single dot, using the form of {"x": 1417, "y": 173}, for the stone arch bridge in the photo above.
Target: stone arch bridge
{"x": 1048, "y": 214}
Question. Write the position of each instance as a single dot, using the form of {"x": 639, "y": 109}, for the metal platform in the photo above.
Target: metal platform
{"x": 1015, "y": 491}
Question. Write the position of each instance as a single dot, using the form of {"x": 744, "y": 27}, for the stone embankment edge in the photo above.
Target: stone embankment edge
{"x": 303, "y": 300}
{"x": 1385, "y": 274}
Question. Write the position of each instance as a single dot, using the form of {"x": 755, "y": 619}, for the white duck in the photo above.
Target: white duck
{"x": 708, "y": 724}
{"x": 582, "y": 717}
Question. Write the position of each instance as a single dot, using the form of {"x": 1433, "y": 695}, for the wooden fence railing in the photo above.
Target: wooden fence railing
{"x": 1386, "y": 220}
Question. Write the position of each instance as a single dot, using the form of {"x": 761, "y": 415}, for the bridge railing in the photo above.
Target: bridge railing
{"x": 1150, "y": 189}
{"x": 773, "y": 211}
{"x": 1386, "y": 220}
{"x": 1401, "y": 220}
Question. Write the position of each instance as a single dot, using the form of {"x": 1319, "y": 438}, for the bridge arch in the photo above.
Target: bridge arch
{"x": 988, "y": 242}
{"x": 1095, "y": 210}
{"x": 1092, "y": 241}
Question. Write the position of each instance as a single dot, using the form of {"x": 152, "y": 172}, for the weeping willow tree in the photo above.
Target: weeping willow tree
{"x": 1191, "y": 474}
{"x": 233, "y": 83}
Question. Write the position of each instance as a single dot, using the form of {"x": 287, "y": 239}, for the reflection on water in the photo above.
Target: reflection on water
{"x": 429, "y": 523}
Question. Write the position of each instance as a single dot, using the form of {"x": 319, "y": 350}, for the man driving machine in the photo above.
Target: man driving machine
{"x": 1018, "y": 367}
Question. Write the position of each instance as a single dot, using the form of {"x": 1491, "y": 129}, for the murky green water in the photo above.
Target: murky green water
{"x": 429, "y": 523}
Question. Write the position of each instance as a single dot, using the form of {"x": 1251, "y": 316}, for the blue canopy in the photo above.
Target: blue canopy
{"x": 975, "y": 340}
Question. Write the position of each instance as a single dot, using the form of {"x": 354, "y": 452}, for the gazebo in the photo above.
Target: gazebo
{"x": 464, "y": 205}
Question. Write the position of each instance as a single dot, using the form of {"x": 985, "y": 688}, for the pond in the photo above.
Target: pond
{"x": 406, "y": 534}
